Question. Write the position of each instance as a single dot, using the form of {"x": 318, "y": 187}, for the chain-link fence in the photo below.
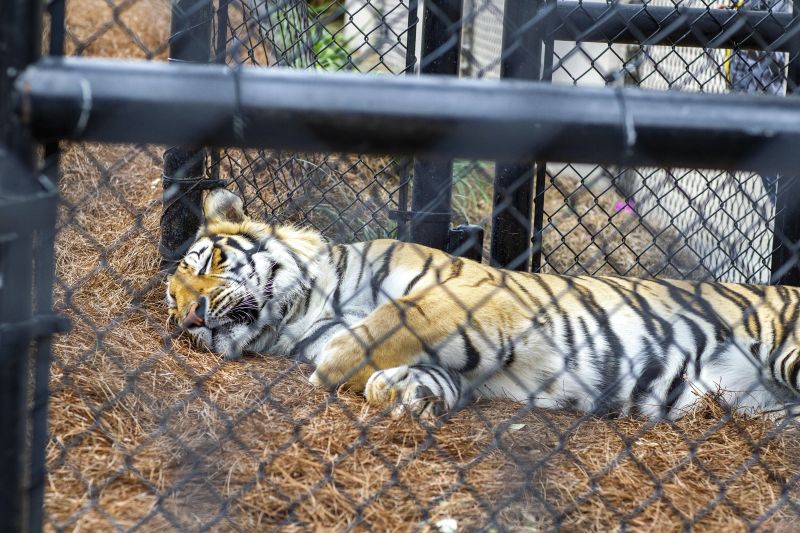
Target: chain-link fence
{"x": 448, "y": 395}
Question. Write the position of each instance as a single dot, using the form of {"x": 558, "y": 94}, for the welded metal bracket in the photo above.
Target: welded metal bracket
{"x": 466, "y": 241}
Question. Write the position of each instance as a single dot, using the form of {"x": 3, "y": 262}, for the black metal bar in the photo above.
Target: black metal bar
{"x": 786, "y": 240}
{"x": 57, "y": 27}
{"x": 521, "y": 58}
{"x": 433, "y": 178}
{"x": 411, "y": 36}
{"x": 15, "y": 306}
{"x": 190, "y": 31}
{"x": 220, "y": 57}
{"x": 220, "y": 54}
{"x": 302, "y": 110}
{"x": 184, "y": 165}
{"x": 441, "y": 37}
{"x": 27, "y": 230}
{"x": 44, "y": 268}
{"x": 20, "y": 45}
{"x": 541, "y": 171}
{"x": 57, "y": 13}
{"x": 406, "y": 162}
{"x": 538, "y": 216}
{"x": 636, "y": 23}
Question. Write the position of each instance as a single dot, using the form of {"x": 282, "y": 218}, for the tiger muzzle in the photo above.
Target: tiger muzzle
{"x": 193, "y": 318}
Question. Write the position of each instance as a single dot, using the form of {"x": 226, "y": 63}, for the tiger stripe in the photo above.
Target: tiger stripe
{"x": 401, "y": 321}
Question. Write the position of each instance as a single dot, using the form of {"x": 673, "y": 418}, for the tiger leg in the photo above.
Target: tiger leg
{"x": 426, "y": 391}
{"x": 397, "y": 333}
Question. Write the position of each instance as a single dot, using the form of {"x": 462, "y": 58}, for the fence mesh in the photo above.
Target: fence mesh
{"x": 149, "y": 431}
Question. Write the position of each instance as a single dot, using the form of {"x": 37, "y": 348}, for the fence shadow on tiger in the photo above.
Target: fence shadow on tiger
{"x": 416, "y": 327}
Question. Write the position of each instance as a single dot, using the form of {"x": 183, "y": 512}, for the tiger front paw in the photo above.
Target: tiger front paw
{"x": 332, "y": 373}
{"x": 405, "y": 389}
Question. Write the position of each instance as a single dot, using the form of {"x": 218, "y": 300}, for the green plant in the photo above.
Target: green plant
{"x": 331, "y": 52}
{"x": 472, "y": 190}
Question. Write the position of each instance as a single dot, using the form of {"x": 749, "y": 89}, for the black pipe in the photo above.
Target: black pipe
{"x": 433, "y": 178}
{"x": 541, "y": 174}
{"x": 20, "y": 45}
{"x": 44, "y": 269}
{"x": 220, "y": 57}
{"x": 411, "y": 36}
{"x": 221, "y": 52}
{"x": 184, "y": 164}
{"x": 521, "y": 58}
{"x": 145, "y": 102}
{"x": 406, "y": 163}
{"x": 668, "y": 25}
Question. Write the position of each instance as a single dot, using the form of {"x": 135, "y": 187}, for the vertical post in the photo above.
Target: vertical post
{"x": 44, "y": 268}
{"x": 411, "y": 36}
{"x": 541, "y": 167}
{"x": 20, "y": 41}
{"x": 20, "y": 46}
{"x": 184, "y": 166}
{"x": 405, "y": 163}
{"x": 56, "y": 8}
{"x": 432, "y": 183}
{"x": 16, "y": 257}
{"x": 786, "y": 240}
{"x": 521, "y": 58}
{"x": 222, "y": 32}
{"x": 220, "y": 56}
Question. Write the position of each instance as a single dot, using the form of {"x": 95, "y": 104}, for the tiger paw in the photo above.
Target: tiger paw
{"x": 331, "y": 374}
{"x": 409, "y": 390}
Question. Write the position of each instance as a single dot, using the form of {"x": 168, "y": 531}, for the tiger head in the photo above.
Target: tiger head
{"x": 237, "y": 281}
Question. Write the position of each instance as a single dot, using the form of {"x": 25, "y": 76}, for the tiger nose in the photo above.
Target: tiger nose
{"x": 196, "y": 315}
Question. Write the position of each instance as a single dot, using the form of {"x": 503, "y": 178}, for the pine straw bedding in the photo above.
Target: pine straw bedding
{"x": 148, "y": 432}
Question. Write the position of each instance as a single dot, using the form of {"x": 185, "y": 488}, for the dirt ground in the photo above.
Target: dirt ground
{"x": 149, "y": 433}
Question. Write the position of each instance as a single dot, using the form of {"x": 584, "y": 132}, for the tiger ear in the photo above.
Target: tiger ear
{"x": 221, "y": 205}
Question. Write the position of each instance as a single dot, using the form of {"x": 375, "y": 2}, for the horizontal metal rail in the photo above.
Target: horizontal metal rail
{"x": 212, "y": 105}
{"x": 671, "y": 25}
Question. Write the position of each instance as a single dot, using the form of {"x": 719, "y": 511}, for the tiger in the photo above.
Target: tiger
{"x": 419, "y": 331}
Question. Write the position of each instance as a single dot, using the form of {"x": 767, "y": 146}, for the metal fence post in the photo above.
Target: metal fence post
{"x": 432, "y": 182}
{"x": 541, "y": 166}
{"x": 20, "y": 46}
{"x": 20, "y": 22}
{"x": 27, "y": 227}
{"x": 400, "y": 216}
{"x": 786, "y": 240}
{"x": 184, "y": 166}
{"x": 521, "y": 58}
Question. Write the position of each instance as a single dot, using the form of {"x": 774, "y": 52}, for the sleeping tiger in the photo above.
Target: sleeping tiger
{"x": 422, "y": 331}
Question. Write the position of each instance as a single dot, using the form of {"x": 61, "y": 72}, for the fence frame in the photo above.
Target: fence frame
{"x": 432, "y": 182}
{"x": 184, "y": 166}
{"x": 521, "y": 59}
{"x": 27, "y": 232}
{"x": 454, "y": 118}
{"x": 513, "y": 245}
